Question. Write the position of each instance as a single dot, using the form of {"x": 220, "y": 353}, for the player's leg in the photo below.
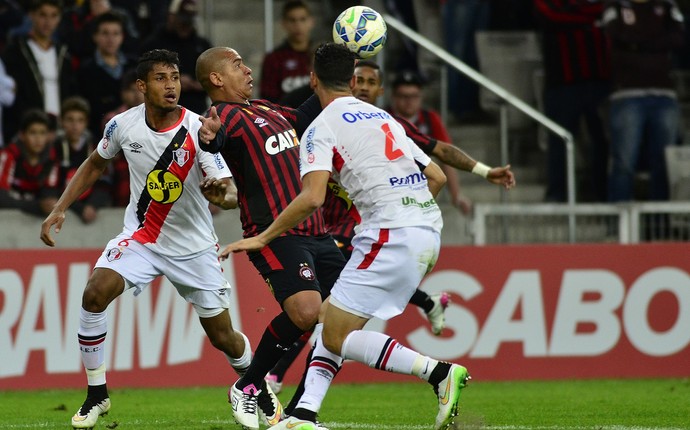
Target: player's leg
{"x": 117, "y": 263}
{"x": 330, "y": 262}
{"x": 434, "y": 306}
{"x": 287, "y": 264}
{"x": 274, "y": 379}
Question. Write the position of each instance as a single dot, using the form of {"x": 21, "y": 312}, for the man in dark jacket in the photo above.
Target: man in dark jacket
{"x": 40, "y": 67}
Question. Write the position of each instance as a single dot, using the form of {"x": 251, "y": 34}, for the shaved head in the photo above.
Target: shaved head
{"x": 211, "y": 60}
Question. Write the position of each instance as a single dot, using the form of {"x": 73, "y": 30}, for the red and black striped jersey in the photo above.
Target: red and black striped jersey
{"x": 261, "y": 147}
{"x": 340, "y": 215}
{"x": 24, "y": 180}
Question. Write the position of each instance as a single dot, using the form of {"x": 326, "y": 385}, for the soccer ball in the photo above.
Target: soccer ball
{"x": 361, "y": 29}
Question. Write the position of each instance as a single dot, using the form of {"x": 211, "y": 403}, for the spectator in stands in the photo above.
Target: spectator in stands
{"x": 404, "y": 11}
{"x": 461, "y": 20}
{"x": 287, "y": 67}
{"x": 146, "y": 13}
{"x": 78, "y": 24}
{"x": 7, "y": 93}
{"x": 406, "y": 102}
{"x": 644, "y": 112}
{"x": 100, "y": 76}
{"x": 179, "y": 34}
{"x": 41, "y": 69}
{"x": 28, "y": 171}
{"x": 73, "y": 145}
{"x": 577, "y": 84}
{"x": 11, "y": 16}
{"x": 118, "y": 171}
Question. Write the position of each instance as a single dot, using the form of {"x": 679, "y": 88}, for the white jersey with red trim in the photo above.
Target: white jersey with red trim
{"x": 167, "y": 211}
{"x": 367, "y": 151}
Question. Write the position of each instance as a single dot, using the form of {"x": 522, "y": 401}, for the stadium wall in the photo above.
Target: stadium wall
{"x": 518, "y": 312}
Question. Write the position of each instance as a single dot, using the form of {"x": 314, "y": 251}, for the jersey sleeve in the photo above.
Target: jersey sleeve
{"x": 419, "y": 156}
{"x": 316, "y": 149}
{"x": 213, "y": 165}
{"x": 110, "y": 143}
{"x": 426, "y": 143}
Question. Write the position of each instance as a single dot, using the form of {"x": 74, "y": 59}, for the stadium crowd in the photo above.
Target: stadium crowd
{"x": 66, "y": 69}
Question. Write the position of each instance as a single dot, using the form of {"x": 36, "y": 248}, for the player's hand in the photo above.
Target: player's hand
{"x": 502, "y": 176}
{"x": 463, "y": 203}
{"x": 55, "y": 218}
{"x": 250, "y": 244}
{"x": 209, "y": 126}
{"x": 214, "y": 190}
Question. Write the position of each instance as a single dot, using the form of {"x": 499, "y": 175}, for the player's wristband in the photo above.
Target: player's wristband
{"x": 481, "y": 169}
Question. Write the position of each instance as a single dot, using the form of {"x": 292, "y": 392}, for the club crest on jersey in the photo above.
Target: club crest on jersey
{"x": 163, "y": 186}
{"x": 305, "y": 272}
{"x": 181, "y": 156}
{"x": 113, "y": 254}
{"x": 281, "y": 141}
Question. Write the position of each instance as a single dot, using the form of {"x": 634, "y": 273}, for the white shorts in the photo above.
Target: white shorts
{"x": 198, "y": 278}
{"x": 386, "y": 267}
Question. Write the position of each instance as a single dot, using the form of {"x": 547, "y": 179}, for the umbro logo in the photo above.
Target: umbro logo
{"x": 135, "y": 147}
{"x": 261, "y": 122}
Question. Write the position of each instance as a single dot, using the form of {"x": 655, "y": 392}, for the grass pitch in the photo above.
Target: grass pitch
{"x": 659, "y": 404}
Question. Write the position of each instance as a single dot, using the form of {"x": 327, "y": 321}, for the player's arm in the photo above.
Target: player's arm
{"x": 457, "y": 158}
{"x": 312, "y": 196}
{"x": 211, "y": 132}
{"x": 303, "y": 115}
{"x": 221, "y": 192}
{"x": 435, "y": 177}
{"x": 88, "y": 173}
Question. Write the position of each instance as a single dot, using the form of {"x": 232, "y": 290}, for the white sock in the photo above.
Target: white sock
{"x": 423, "y": 366}
{"x": 92, "y": 330}
{"x": 379, "y": 351}
{"x": 323, "y": 367}
{"x": 242, "y": 363}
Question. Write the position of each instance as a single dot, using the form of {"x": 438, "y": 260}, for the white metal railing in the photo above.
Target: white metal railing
{"x": 508, "y": 98}
{"x": 621, "y": 223}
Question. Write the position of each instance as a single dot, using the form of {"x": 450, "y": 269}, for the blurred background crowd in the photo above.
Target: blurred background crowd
{"x": 610, "y": 75}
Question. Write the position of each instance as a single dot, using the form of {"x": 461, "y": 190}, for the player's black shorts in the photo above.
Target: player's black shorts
{"x": 291, "y": 264}
{"x": 344, "y": 244}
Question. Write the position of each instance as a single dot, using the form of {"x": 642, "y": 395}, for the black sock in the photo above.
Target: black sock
{"x": 284, "y": 364}
{"x": 97, "y": 392}
{"x": 300, "y": 388}
{"x": 278, "y": 336}
{"x": 304, "y": 414}
{"x": 438, "y": 374}
{"x": 422, "y": 299}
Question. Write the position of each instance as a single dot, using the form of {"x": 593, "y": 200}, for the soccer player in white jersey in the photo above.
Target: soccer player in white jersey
{"x": 168, "y": 228}
{"x": 393, "y": 185}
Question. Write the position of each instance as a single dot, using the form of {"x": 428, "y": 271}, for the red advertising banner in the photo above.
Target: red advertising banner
{"x": 518, "y": 312}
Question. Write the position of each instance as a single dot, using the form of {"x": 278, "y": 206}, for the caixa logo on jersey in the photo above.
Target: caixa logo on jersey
{"x": 280, "y": 142}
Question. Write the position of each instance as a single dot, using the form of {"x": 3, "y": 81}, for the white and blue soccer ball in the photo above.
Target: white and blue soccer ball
{"x": 361, "y": 29}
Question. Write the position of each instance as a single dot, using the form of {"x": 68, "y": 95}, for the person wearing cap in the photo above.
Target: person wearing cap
{"x": 406, "y": 102}
{"x": 179, "y": 34}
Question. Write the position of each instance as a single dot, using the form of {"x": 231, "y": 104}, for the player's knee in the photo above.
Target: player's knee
{"x": 333, "y": 344}
{"x": 305, "y": 318}
{"x": 101, "y": 289}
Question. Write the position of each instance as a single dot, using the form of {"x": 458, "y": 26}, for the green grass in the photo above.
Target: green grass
{"x": 547, "y": 405}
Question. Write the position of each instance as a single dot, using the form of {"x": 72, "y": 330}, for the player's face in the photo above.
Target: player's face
{"x": 35, "y": 138}
{"x": 298, "y": 25}
{"x": 236, "y": 77}
{"x": 73, "y": 124}
{"x": 407, "y": 100}
{"x": 45, "y": 20}
{"x": 367, "y": 84}
{"x": 108, "y": 38}
{"x": 162, "y": 87}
